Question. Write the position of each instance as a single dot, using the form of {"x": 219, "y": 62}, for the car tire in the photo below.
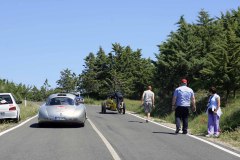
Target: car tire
{"x": 119, "y": 107}
{"x": 124, "y": 108}
{"x": 16, "y": 120}
{"x": 104, "y": 108}
{"x": 120, "y": 110}
{"x": 40, "y": 125}
{"x": 82, "y": 124}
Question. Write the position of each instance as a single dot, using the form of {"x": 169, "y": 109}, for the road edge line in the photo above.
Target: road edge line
{"x": 17, "y": 126}
{"x": 108, "y": 145}
{"x": 195, "y": 137}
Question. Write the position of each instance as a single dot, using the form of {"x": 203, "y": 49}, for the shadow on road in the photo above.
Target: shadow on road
{"x": 166, "y": 133}
{"x": 108, "y": 113}
{"x": 55, "y": 125}
{"x": 136, "y": 121}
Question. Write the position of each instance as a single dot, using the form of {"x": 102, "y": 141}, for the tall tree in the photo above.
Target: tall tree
{"x": 67, "y": 81}
{"x": 223, "y": 67}
{"x": 88, "y": 82}
{"x": 120, "y": 70}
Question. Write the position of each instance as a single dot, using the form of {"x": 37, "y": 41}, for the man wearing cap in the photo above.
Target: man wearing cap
{"x": 182, "y": 98}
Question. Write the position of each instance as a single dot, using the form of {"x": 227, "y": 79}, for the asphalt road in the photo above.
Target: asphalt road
{"x": 130, "y": 137}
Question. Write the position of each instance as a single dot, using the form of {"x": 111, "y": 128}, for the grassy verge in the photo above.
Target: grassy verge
{"x": 92, "y": 101}
{"x": 134, "y": 106}
{"x": 229, "y": 124}
{"x": 26, "y": 112}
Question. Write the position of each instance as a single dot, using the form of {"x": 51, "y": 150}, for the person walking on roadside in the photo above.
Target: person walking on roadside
{"x": 148, "y": 102}
{"x": 214, "y": 112}
{"x": 182, "y": 98}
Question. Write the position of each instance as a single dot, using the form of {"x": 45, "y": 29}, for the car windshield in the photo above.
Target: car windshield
{"x": 61, "y": 101}
{"x": 5, "y": 99}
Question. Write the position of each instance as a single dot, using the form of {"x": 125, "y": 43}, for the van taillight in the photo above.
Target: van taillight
{"x": 12, "y": 109}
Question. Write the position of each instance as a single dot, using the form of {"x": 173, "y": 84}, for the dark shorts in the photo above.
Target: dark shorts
{"x": 147, "y": 107}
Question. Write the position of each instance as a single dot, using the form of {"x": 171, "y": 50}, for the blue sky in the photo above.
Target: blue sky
{"x": 41, "y": 38}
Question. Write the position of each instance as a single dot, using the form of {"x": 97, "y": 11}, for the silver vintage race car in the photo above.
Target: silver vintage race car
{"x": 62, "y": 108}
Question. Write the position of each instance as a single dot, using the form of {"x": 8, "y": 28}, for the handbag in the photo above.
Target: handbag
{"x": 210, "y": 110}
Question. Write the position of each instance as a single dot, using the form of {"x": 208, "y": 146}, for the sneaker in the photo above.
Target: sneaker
{"x": 146, "y": 121}
{"x": 177, "y": 131}
{"x": 184, "y": 132}
{"x": 209, "y": 135}
{"x": 216, "y": 135}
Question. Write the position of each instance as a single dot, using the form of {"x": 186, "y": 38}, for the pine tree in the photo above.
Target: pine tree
{"x": 67, "y": 82}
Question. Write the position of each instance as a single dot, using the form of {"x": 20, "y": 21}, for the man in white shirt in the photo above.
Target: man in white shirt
{"x": 148, "y": 101}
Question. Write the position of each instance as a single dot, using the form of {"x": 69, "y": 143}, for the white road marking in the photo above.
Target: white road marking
{"x": 21, "y": 124}
{"x": 108, "y": 145}
{"x": 195, "y": 137}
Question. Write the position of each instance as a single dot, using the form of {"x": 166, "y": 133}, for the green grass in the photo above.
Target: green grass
{"x": 230, "y": 119}
{"x": 169, "y": 118}
{"x": 28, "y": 111}
{"x": 134, "y": 106}
{"x": 92, "y": 101}
{"x": 198, "y": 125}
{"x": 232, "y": 137}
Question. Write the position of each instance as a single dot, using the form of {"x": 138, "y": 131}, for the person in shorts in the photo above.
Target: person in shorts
{"x": 148, "y": 102}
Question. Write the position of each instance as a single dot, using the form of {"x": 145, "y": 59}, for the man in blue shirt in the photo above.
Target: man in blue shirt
{"x": 182, "y": 98}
